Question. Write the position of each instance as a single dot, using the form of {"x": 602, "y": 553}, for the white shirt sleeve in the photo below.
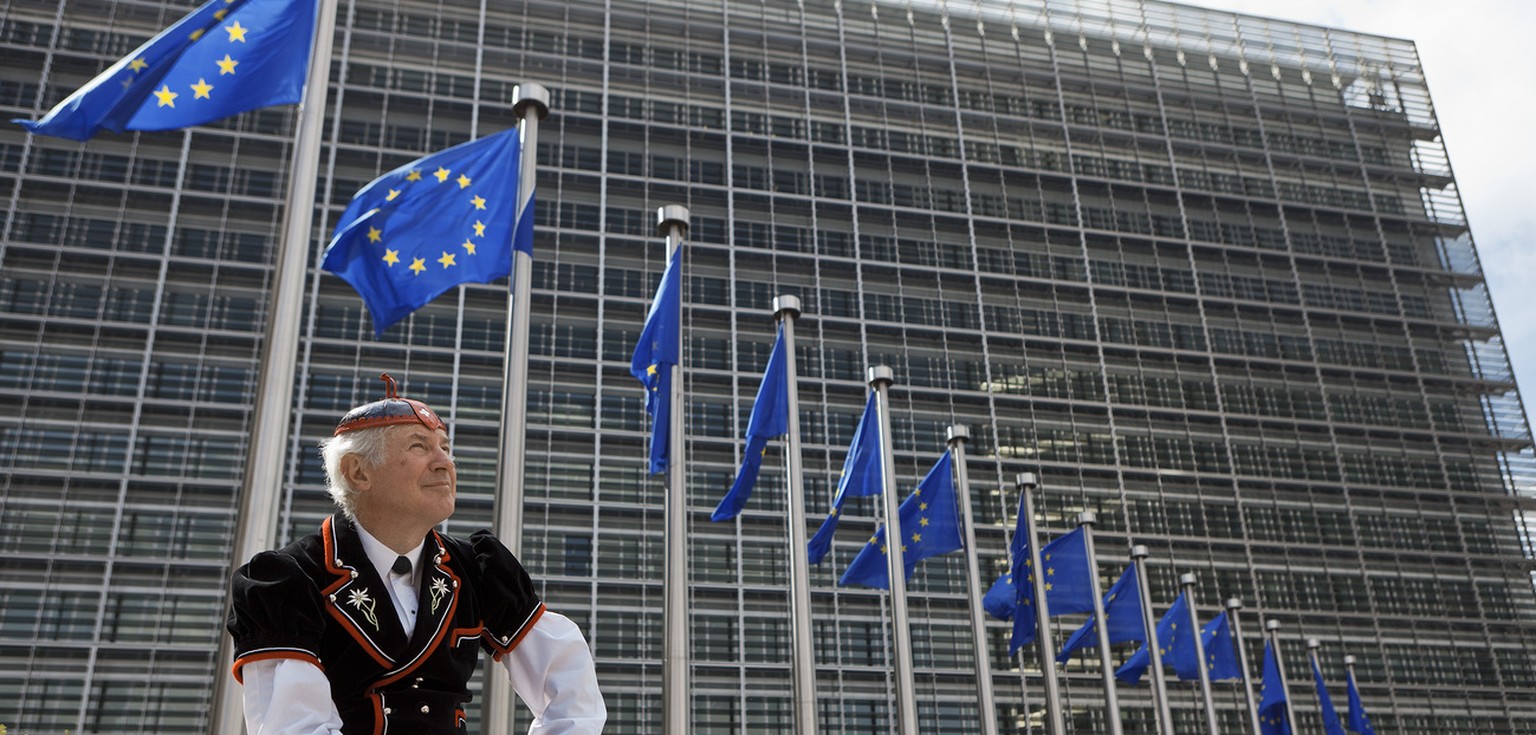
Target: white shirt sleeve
{"x": 285, "y": 696}
{"x": 553, "y": 672}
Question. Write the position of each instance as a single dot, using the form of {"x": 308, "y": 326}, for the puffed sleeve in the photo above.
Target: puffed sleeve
{"x": 509, "y": 607}
{"x": 274, "y": 611}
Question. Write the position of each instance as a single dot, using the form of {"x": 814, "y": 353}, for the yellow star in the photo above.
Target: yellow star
{"x": 375, "y": 234}
{"x": 201, "y": 89}
{"x": 220, "y": 13}
{"x": 463, "y": 181}
{"x": 923, "y": 521}
{"x": 1050, "y": 571}
{"x": 167, "y": 98}
{"x": 441, "y": 174}
{"x": 195, "y": 35}
{"x": 391, "y": 257}
{"x": 414, "y": 175}
{"x": 834, "y": 512}
{"x": 469, "y": 246}
{"x": 392, "y": 194}
{"x": 138, "y": 65}
{"x": 479, "y": 228}
{"x": 226, "y": 65}
{"x": 922, "y": 506}
{"x": 418, "y": 265}
{"x": 236, "y": 32}
{"x": 1049, "y": 587}
{"x": 917, "y": 538}
{"x": 447, "y": 260}
{"x": 478, "y": 201}
{"x": 651, "y": 370}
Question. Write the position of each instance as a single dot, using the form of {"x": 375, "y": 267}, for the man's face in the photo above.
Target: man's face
{"x": 417, "y": 478}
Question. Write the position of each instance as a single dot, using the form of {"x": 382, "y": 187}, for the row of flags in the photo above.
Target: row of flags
{"x": 452, "y": 217}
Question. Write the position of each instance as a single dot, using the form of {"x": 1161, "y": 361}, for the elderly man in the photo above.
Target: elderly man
{"x": 372, "y": 624}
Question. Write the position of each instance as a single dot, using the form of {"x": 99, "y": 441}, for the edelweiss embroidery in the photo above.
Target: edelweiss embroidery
{"x": 359, "y": 599}
{"x": 439, "y": 588}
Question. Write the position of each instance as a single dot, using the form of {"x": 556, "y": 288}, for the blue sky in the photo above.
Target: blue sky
{"x": 1481, "y": 67}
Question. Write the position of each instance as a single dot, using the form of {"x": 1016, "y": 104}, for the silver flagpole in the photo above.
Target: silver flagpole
{"x": 1159, "y": 686}
{"x": 787, "y": 309}
{"x": 262, "y": 496}
{"x": 532, "y": 104}
{"x": 672, "y": 221}
{"x": 1233, "y": 606}
{"x": 1187, "y": 581}
{"x": 1273, "y": 627}
{"x": 957, "y": 436}
{"x": 1027, "y": 488}
{"x": 1312, "y": 645}
{"x": 1085, "y": 521}
{"x": 906, "y": 693}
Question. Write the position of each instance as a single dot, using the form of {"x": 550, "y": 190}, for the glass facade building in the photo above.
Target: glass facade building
{"x": 1207, "y": 275}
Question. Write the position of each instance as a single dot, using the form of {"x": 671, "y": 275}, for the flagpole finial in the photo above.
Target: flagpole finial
{"x": 1234, "y": 603}
{"x": 1139, "y": 552}
{"x": 879, "y": 374}
{"x": 1349, "y": 660}
{"x": 1087, "y": 518}
{"x": 957, "y": 433}
{"x": 1272, "y": 624}
{"x": 1027, "y": 481}
{"x": 671, "y": 214}
{"x": 786, "y": 303}
{"x": 1314, "y": 644}
{"x": 530, "y": 93}
{"x": 1187, "y": 579}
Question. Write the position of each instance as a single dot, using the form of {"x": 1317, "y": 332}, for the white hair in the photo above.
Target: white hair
{"x": 369, "y": 445}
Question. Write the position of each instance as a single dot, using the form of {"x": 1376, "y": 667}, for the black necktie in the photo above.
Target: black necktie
{"x": 402, "y": 565}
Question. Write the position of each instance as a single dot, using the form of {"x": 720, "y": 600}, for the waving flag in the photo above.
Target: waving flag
{"x": 1122, "y": 611}
{"x": 770, "y": 419}
{"x": 861, "y": 476}
{"x": 1331, "y": 723}
{"x": 224, "y": 58}
{"x": 1273, "y": 719}
{"x": 1359, "y": 721}
{"x": 655, "y": 355}
{"x": 930, "y": 522}
{"x": 428, "y": 226}
{"x": 1173, "y": 638}
{"x": 1064, "y": 564}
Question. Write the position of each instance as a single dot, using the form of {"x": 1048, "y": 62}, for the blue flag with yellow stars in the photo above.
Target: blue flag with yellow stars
{"x": 428, "y": 226}
{"x": 1122, "y": 613}
{"x": 1221, "y": 661}
{"x": 862, "y": 475}
{"x": 1331, "y": 723}
{"x": 226, "y": 57}
{"x": 1068, "y": 589}
{"x": 1272, "y": 716}
{"x": 1173, "y": 636}
{"x": 770, "y": 419}
{"x": 930, "y": 525}
{"x": 1359, "y": 721}
{"x": 999, "y": 600}
{"x": 656, "y": 353}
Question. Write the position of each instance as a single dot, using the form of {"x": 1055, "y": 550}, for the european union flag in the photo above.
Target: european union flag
{"x": 1000, "y": 599}
{"x": 862, "y": 475}
{"x": 930, "y": 524}
{"x": 1068, "y": 589}
{"x": 1359, "y": 721}
{"x": 226, "y": 57}
{"x": 770, "y": 419}
{"x": 1272, "y": 716}
{"x": 1331, "y": 723}
{"x": 1221, "y": 661}
{"x": 1173, "y": 637}
{"x": 655, "y": 355}
{"x": 1122, "y": 615}
{"x": 428, "y": 226}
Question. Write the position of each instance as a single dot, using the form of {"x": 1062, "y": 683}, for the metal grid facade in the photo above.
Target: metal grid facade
{"x": 1208, "y": 275}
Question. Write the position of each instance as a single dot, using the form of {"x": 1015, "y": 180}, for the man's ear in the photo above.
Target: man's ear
{"x": 356, "y": 471}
